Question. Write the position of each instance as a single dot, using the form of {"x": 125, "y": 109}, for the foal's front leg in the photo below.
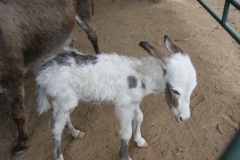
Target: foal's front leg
{"x": 125, "y": 115}
{"x": 137, "y": 121}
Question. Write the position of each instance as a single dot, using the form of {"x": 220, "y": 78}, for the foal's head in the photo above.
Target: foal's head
{"x": 180, "y": 77}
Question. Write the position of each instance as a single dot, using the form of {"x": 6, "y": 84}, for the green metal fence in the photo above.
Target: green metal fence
{"x": 223, "y": 20}
{"x": 233, "y": 150}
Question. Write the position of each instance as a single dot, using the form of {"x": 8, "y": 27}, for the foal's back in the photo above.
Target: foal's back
{"x": 101, "y": 78}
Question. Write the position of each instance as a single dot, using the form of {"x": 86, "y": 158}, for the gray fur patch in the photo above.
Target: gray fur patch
{"x": 143, "y": 85}
{"x": 132, "y": 81}
{"x": 64, "y": 59}
{"x": 83, "y": 60}
{"x": 57, "y": 149}
{"x": 123, "y": 154}
{"x": 80, "y": 59}
{"x": 171, "y": 99}
{"x": 52, "y": 121}
{"x": 47, "y": 64}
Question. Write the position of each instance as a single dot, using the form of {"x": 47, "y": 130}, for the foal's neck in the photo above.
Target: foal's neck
{"x": 152, "y": 74}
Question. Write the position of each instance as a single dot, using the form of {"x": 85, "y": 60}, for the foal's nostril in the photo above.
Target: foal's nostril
{"x": 181, "y": 119}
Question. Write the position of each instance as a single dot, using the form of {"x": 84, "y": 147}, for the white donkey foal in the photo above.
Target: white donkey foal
{"x": 72, "y": 76}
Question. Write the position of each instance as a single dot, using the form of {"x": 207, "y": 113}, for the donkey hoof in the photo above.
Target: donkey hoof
{"x": 127, "y": 158}
{"x": 17, "y": 155}
{"x": 75, "y": 134}
{"x": 82, "y": 134}
{"x": 144, "y": 145}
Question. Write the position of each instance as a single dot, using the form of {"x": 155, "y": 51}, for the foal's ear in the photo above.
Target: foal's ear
{"x": 154, "y": 51}
{"x": 172, "y": 48}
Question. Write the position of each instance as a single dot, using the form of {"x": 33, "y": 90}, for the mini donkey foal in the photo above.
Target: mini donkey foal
{"x": 72, "y": 76}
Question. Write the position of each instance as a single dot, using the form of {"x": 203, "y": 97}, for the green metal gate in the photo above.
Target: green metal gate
{"x": 223, "y": 20}
{"x": 233, "y": 150}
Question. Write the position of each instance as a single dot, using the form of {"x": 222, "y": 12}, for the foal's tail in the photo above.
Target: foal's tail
{"x": 43, "y": 103}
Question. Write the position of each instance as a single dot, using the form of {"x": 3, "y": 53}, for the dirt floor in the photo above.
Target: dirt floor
{"x": 120, "y": 25}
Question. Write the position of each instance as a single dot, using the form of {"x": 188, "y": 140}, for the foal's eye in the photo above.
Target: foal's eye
{"x": 175, "y": 92}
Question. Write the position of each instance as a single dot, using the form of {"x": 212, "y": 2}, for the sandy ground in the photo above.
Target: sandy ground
{"x": 120, "y": 25}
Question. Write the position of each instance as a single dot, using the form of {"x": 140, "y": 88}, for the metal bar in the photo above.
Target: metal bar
{"x": 225, "y": 12}
{"x": 232, "y": 151}
{"x": 226, "y": 26}
{"x": 235, "y": 3}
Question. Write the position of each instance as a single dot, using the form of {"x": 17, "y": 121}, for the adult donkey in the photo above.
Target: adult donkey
{"x": 30, "y": 29}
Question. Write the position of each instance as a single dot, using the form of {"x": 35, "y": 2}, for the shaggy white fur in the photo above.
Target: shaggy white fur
{"x": 123, "y": 81}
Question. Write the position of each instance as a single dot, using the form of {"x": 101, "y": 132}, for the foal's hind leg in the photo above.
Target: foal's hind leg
{"x": 84, "y": 19}
{"x": 75, "y": 133}
{"x": 58, "y": 122}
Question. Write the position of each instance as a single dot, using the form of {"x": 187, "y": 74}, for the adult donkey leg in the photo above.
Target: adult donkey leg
{"x": 15, "y": 93}
{"x": 84, "y": 19}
